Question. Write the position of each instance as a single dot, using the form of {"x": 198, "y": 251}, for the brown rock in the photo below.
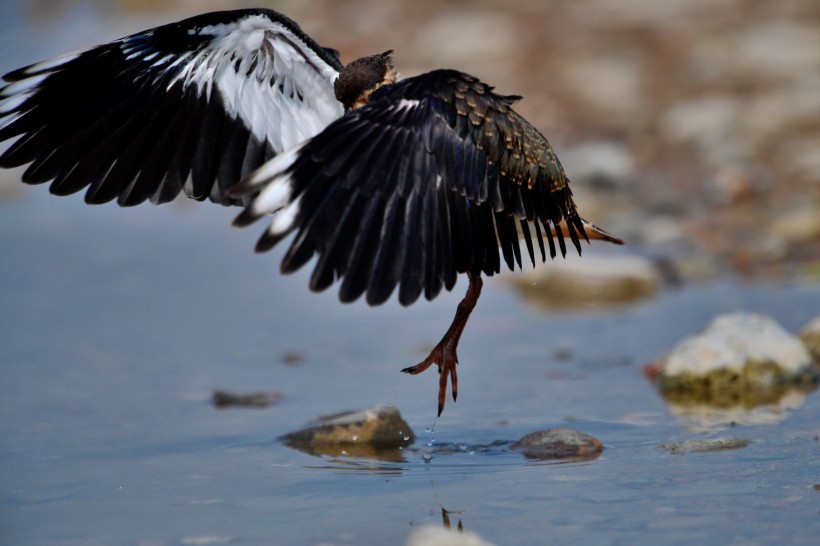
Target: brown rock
{"x": 559, "y": 443}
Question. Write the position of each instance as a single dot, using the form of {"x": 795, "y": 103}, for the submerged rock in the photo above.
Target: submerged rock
{"x": 593, "y": 280}
{"x": 558, "y": 443}
{"x": 706, "y": 445}
{"x": 226, "y": 399}
{"x": 377, "y": 432}
{"x": 740, "y": 359}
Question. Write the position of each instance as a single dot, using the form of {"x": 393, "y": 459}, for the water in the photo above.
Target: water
{"x": 117, "y": 325}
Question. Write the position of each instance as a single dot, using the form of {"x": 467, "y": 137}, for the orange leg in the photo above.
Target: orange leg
{"x": 444, "y": 354}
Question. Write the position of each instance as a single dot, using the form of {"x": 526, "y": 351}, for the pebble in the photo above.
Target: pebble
{"x": 225, "y": 399}
{"x": 558, "y": 443}
{"x": 706, "y": 445}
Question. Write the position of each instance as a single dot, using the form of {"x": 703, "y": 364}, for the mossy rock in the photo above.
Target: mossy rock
{"x": 756, "y": 384}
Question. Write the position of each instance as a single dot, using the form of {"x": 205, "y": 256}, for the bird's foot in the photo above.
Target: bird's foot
{"x": 445, "y": 357}
{"x": 444, "y": 354}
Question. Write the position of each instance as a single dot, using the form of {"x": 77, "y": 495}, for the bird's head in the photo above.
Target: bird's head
{"x": 363, "y": 76}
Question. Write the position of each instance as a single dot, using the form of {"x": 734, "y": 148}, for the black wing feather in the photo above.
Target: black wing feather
{"x": 429, "y": 179}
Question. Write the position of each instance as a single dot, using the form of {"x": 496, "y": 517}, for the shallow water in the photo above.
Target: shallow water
{"x": 117, "y": 325}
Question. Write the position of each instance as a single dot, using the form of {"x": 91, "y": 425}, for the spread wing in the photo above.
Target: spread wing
{"x": 425, "y": 181}
{"x": 189, "y": 107}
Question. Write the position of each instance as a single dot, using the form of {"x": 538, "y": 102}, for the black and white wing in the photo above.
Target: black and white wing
{"x": 423, "y": 182}
{"x": 189, "y": 107}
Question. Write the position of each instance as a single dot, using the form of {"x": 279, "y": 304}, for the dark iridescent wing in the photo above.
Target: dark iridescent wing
{"x": 425, "y": 181}
{"x": 189, "y": 107}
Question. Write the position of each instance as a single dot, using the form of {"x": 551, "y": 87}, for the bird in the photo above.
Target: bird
{"x": 392, "y": 184}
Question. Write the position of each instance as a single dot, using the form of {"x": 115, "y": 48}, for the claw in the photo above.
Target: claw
{"x": 442, "y": 388}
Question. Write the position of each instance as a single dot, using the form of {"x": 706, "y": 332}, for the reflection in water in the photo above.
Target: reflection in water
{"x": 700, "y": 416}
{"x": 445, "y": 519}
{"x": 357, "y": 451}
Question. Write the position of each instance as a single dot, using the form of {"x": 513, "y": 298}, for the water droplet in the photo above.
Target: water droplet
{"x": 427, "y": 457}
{"x": 407, "y": 438}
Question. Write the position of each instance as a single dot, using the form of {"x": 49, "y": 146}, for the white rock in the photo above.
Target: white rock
{"x": 434, "y": 535}
{"x": 731, "y": 341}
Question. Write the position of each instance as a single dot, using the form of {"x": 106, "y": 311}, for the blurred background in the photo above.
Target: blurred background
{"x": 690, "y": 127}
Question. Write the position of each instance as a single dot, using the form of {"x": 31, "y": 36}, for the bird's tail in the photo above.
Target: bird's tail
{"x": 590, "y": 232}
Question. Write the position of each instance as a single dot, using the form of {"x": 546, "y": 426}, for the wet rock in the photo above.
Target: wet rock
{"x": 593, "y": 280}
{"x": 226, "y": 399}
{"x": 378, "y": 432}
{"x": 740, "y": 359}
{"x": 810, "y": 336}
{"x": 558, "y": 443}
{"x": 433, "y": 535}
{"x": 706, "y": 445}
